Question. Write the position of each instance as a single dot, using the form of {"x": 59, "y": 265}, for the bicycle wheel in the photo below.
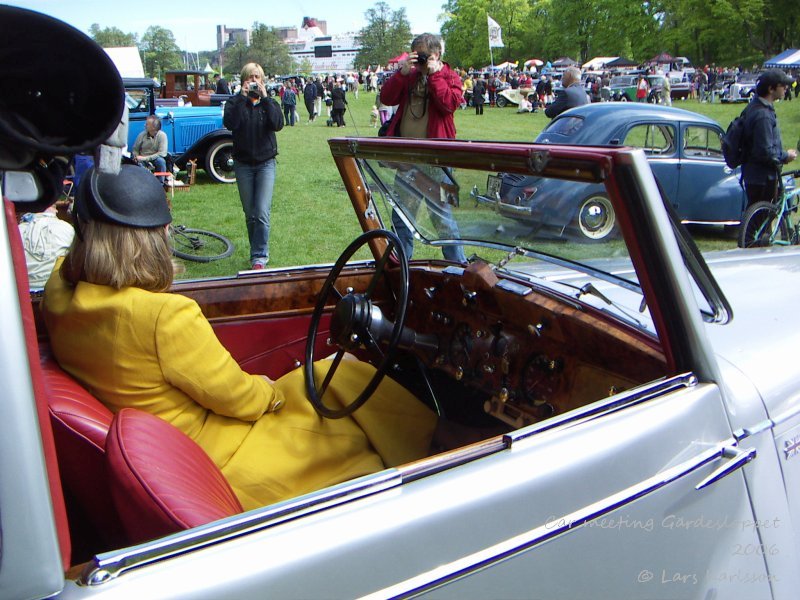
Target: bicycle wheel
{"x": 763, "y": 226}
{"x": 199, "y": 245}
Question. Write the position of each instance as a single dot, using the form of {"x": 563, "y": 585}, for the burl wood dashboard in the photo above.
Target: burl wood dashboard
{"x": 533, "y": 354}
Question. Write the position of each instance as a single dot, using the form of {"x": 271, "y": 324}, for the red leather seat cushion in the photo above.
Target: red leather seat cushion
{"x": 161, "y": 480}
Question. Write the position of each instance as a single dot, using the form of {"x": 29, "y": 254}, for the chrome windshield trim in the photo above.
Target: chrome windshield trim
{"x": 517, "y": 545}
{"x": 609, "y": 405}
{"x": 746, "y": 432}
{"x": 107, "y": 566}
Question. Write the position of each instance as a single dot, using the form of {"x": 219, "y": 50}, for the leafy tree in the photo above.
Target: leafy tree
{"x": 386, "y": 34}
{"x": 234, "y": 57}
{"x": 268, "y": 50}
{"x": 161, "y": 52}
{"x": 111, "y": 37}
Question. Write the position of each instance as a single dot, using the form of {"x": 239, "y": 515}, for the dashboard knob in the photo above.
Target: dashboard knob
{"x": 459, "y": 374}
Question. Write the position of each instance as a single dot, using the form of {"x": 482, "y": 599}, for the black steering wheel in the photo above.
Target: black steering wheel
{"x": 357, "y": 322}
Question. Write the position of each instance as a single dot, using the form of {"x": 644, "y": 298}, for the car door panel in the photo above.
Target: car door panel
{"x": 638, "y": 463}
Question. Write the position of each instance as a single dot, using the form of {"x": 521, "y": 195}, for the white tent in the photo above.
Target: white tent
{"x": 127, "y": 60}
{"x": 598, "y": 62}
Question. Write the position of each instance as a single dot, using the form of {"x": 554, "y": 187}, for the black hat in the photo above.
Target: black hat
{"x": 61, "y": 93}
{"x": 772, "y": 77}
{"x": 134, "y": 198}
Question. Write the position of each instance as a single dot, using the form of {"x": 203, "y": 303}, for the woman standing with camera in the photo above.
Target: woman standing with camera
{"x": 254, "y": 117}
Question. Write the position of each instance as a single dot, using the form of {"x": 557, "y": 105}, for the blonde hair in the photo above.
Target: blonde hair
{"x": 251, "y": 69}
{"x": 120, "y": 256}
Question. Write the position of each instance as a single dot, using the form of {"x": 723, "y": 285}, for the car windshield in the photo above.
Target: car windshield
{"x": 623, "y": 80}
{"x": 561, "y": 234}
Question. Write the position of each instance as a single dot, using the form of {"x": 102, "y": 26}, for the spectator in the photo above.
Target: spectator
{"x": 572, "y": 93}
{"x": 309, "y": 98}
{"x": 479, "y": 93}
{"x": 338, "y": 104}
{"x": 762, "y": 139}
{"x": 427, "y": 92}
{"x": 289, "y": 103}
{"x": 254, "y": 118}
{"x": 642, "y": 89}
{"x": 150, "y": 147}
{"x": 222, "y": 84}
{"x": 45, "y": 238}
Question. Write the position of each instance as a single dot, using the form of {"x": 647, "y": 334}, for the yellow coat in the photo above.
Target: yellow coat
{"x": 158, "y": 353}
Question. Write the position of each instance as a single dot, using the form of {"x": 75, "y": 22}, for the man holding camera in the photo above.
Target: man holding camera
{"x": 427, "y": 93}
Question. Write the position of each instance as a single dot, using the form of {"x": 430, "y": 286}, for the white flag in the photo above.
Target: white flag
{"x": 495, "y": 34}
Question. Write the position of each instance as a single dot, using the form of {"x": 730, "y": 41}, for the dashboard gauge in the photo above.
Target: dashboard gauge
{"x": 461, "y": 346}
{"x": 539, "y": 379}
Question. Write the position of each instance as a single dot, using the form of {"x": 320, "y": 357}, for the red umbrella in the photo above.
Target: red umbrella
{"x": 533, "y": 61}
{"x": 397, "y": 59}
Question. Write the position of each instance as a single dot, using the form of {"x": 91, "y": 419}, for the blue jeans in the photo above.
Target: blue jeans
{"x": 159, "y": 164}
{"x": 255, "y": 183}
{"x": 445, "y": 225}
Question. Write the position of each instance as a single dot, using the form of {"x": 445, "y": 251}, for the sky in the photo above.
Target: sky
{"x": 194, "y": 22}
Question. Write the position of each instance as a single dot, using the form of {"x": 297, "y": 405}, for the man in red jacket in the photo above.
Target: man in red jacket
{"x": 427, "y": 92}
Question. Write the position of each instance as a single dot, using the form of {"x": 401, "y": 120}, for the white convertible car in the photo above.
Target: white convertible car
{"x": 644, "y": 404}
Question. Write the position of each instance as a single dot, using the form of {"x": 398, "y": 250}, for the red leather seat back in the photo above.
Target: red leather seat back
{"x": 80, "y": 426}
{"x": 161, "y": 481}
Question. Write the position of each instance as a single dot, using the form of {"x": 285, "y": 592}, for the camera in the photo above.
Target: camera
{"x": 253, "y": 91}
{"x": 422, "y": 57}
{"x": 253, "y": 87}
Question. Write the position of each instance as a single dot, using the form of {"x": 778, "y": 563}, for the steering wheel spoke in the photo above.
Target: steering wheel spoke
{"x": 351, "y": 322}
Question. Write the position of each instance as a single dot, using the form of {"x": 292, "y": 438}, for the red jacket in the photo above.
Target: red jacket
{"x": 444, "y": 97}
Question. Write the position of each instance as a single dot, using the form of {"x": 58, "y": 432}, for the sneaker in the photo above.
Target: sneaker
{"x": 259, "y": 263}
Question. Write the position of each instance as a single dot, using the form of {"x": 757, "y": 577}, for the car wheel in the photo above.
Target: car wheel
{"x": 502, "y": 102}
{"x": 596, "y": 219}
{"x": 219, "y": 161}
{"x": 623, "y": 98}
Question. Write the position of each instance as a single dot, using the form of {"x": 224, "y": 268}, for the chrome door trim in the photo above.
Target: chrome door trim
{"x": 517, "y": 545}
{"x": 609, "y": 405}
{"x": 108, "y": 566}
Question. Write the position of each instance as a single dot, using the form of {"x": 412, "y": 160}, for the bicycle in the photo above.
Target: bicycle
{"x": 199, "y": 245}
{"x": 773, "y": 223}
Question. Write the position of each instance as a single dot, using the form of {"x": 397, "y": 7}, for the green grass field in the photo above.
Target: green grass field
{"x": 312, "y": 218}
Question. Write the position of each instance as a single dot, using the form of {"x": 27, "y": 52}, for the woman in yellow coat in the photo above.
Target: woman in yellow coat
{"x": 113, "y": 327}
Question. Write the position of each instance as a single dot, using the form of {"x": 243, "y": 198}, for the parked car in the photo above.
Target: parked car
{"x": 680, "y": 85}
{"x": 645, "y": 423}
{"x": 740, "y": 90}
{"x": 193, "y": 132}
{"x": 683, "y": 149}
{"x": 511, "y": 96}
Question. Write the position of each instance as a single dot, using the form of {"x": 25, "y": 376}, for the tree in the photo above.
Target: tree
{"x": 268, "y": 50}
{"x": 111, "y": 37}
{"x": 161, "y": 52}
{"x": 386, "y": 35}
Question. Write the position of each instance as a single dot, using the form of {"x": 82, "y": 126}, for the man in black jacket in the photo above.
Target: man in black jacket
{"x": 309, "y": 97}
{"x": 762, "y": 138}
{"x": 571, "y": 95}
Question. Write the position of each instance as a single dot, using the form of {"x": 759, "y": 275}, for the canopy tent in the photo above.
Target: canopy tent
{"x": 564, "y": 61}
{"x": 533, "y": 61}
{"x": 788, "y": 59}
{"x": 621, "y": 61}
{"x": 502, "y": 66}
{"x": 598, "y": 62}
{"x": 663, "y": 58}
{"x": 397, "y": 59}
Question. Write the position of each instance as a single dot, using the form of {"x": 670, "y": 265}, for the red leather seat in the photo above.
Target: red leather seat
{"x": 80, "y": 425}
{"x": 161, "y": 481}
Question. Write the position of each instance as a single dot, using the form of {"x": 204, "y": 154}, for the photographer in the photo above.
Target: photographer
{"x": 254, "y": 118}
{"x": 427, "y": 92}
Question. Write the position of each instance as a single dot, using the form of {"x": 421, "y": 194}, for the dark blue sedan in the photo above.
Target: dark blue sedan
{"x": 682, "y": 147}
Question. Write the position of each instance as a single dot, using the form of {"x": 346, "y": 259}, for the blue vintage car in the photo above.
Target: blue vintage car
{"x": 683, "y": 149}
{"x": 194, "y": 132}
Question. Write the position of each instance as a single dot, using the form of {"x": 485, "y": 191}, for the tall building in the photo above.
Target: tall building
{"x": 227, "y": 36}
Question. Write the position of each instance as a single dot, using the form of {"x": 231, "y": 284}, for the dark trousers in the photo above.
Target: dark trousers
{"x": 478, "y": 100}
{"x": 337, "y": 114}
{"x": 288, "y": 114}
{"x": 761, "y": 192}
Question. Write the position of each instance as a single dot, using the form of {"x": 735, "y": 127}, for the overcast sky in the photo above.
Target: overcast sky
{"x": 194, "y": 22}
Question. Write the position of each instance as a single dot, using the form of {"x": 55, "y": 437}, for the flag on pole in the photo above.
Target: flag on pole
{"x": 495, "y": 34}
